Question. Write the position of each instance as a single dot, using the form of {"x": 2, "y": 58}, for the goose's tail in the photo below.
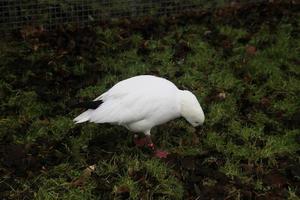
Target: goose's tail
{"x": 83, "y": 117}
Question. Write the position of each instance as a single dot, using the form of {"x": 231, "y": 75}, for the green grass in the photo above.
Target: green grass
{"x": 250, "y": 99}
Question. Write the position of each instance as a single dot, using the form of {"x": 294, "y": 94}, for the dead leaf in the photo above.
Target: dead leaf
{"x": 122, "y": 189}
{"x": 251, "y": 50}
{"x": 275, "y": 179}
{"x": 84, "y": 176}
{"x": 195, "y": 140}
{"x": 265, "y": 101}
{"x": 188, "y": 163}
{"x": 31, "y": 31}
{"x": 227, "y": 44}
{"x": 247, "y": 78}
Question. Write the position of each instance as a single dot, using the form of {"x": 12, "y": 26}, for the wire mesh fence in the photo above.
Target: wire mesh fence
{"x": 15, "y": 14}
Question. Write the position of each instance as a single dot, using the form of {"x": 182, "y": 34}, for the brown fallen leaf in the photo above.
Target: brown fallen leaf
{"x": 275, "y": 179}
{"x": 31, "y": 31}
{"x": 251, "y": 50}
{"x": 122, "y": 189}
{"x": 188, "y": 163}
{"x": 265, "y": 101}
{"x": 195, "y": 140}
{"x": 84, "y": 176}
{"x": 247, "y": 78}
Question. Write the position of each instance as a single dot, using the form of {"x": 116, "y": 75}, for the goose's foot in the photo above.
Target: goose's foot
{"x": 161, "y": 154}
{"x": 143, "y": 142}
{"x": 147, "y": 142}
{"x": 150, "y": 144}
{"x": 156, "y": 152}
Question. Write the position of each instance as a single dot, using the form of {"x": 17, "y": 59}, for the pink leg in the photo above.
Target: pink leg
{"x": 141, "y": 142}
{"x": 157, "y": 153}
{"x": 149, "y": 142}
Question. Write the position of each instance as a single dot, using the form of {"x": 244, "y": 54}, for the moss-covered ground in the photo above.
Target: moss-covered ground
{"x": 241, "y": 62}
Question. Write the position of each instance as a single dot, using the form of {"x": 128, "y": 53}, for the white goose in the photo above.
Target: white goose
{"x": 142, "y": 102}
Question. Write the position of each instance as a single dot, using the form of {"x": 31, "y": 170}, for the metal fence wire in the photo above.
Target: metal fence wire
{"x": 14, "y": 14}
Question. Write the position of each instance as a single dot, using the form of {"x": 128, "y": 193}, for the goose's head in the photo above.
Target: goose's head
{"x": 191, "y": 109}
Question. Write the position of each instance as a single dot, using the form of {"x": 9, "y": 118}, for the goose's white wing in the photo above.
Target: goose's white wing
{"x": 135, "y": 99}
{"x": 124, "y": 110}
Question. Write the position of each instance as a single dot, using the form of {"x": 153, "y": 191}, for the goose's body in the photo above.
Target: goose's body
{"x": 138, "y": 103}
{"x": 142, "y": 102}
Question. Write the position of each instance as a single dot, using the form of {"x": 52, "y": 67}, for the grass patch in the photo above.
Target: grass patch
{"x": 245, "y": 73}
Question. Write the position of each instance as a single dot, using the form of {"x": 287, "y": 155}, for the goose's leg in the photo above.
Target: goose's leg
{"x": 157, "y": 153}
{"x": 147, "y": 141}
